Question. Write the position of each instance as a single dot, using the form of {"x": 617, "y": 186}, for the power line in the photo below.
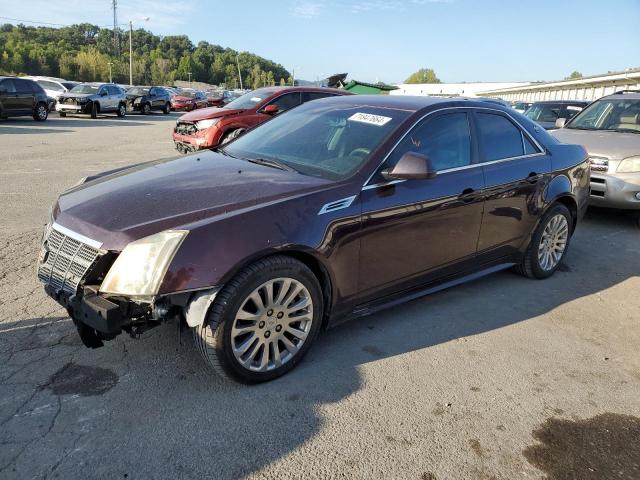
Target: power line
{"x": 56, "y": 24}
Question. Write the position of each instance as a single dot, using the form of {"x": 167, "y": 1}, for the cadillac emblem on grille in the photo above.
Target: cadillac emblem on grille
{"x": 65, "y": 258}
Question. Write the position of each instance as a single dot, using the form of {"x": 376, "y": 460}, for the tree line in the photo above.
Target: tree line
{"x": 86, "y": 52}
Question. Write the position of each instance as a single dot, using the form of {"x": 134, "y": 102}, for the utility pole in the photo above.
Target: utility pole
{"x": 239, "y": 73}
{"x": 110, "y": 77}
{"x": 189, "y": 73}
{"x": 293, "y": 77}
{"x": 116, "y": 33}
{"x": 130, "y": 53}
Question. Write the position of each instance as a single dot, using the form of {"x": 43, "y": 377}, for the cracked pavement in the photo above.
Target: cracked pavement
{"x": 471, "y": 382}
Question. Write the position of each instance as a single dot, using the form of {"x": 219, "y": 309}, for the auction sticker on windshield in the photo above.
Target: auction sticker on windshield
{"x": 369, "y": 118}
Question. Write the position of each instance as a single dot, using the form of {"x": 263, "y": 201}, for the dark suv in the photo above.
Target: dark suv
{"x": 340, "y": 207}
{"x": 93, "y": 98}
{"x": 22, "y": 97}
{"x": 147, "y": 99}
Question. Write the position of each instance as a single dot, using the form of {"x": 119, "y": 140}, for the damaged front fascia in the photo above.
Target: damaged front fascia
{"x": 196, "y": 311}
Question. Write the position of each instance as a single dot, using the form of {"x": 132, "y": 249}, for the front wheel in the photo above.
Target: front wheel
{"x": 62, "y": 114}
{"x": 94, "y": 110}
{"x": 263, "y": 321}
{"x": 549, "y": 243}
{"x": 41, "y": 112}
{"x": 122, "y": 110}
{"x": 146, "y": 109}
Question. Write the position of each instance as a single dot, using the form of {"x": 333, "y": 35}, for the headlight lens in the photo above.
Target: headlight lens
{"x": 202, "y": 124}
{"x": 140, "y": 268}
{"x": 629, "y": 165}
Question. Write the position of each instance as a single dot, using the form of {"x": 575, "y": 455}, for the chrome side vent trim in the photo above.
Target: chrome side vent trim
{"x": 337, "y": 205}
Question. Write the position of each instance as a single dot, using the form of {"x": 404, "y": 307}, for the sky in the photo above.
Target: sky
{"x": 387, "y": 40}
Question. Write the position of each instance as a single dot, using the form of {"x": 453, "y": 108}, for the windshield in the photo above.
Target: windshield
{"x": 138, "y": 91}
{"x": 69, "y": 85}
{"x": 609, "y": 114}
{"x": 249, "y": 100}
{"x": 186, "y": 93}
{"x": 317, "y": 139}
{"x": 543, "y": 112}
{"x": 85, "y": 88}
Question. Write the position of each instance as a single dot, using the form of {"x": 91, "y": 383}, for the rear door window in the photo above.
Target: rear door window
{"x": 7, "y": 86}
{"x": 309, "y": 96}
{"x": 287, "y": 101}
{"x": 499, "y": 137}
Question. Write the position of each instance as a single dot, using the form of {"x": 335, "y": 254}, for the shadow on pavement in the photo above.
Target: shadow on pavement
{"x": 162, "y": 415}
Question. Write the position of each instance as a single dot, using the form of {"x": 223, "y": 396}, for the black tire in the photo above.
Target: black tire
{"x": 232, "y": 135}
{"x": 146, "y": 109}
{"x": 62, "y": 114}
{"x": 530, "y": 265}
{"x": 166, "y": 109}
{"x": 41, "y": 112}
{"x": 213, "y": 338}
{"x": 94, "y": 110}
{"x": 635, "y": 217}
{"x": 122, "y": 110}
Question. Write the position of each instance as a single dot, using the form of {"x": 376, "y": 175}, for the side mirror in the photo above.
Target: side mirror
{"x": 271, "y": 109}
{"x": 560, "y": 122}
{"x": 411, "y": 166}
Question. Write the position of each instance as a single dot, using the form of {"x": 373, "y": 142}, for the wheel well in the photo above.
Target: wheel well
{"x": 570, "y": 203}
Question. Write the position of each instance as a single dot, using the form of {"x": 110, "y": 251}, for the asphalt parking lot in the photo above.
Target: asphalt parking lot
{"x": 501, "y": 378}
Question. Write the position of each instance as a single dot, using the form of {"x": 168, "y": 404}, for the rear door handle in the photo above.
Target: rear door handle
{"x": 467, "y": 195}
{"x": 534, "y": 177}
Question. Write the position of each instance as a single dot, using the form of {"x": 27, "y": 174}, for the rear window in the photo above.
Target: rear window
{"x": 499, "y": 137}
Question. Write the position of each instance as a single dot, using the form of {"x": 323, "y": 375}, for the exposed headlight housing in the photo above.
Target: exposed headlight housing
{"x": 629, "y": 165}
{"x": 203, "y": 124}
{"x": 140, "y": 268}
{"x": 137, "y": 100}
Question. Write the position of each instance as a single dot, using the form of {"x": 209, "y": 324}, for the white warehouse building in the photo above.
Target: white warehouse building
{"x": 586, "y": 88}
{"x": 470, "y": 89}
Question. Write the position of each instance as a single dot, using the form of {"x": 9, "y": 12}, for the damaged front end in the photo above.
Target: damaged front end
{"x": 106, "y": 293}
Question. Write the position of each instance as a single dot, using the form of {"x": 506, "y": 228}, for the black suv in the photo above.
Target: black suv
{"x": 21, "y": 97}
{"x": 146, "y": 99}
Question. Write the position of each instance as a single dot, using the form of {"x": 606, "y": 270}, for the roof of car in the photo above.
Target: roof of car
{"x": 624, "y": 93}
{"x": 278, "y": 89}
{"x": 412, "y": 103}
{"x": 561, "y": 102}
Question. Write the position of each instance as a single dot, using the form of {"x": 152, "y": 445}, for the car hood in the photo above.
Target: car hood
{"x": 210, "y": 112}
{"x": 133, "y": 96}
{"x": 613, "y": 145}
{"x": 129, "y": 204}
{"x": 180, "y": 98}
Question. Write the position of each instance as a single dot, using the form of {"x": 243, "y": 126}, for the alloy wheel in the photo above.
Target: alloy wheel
{"x": 42, "y": 112}
{"x": 553, "y": 242}
{"x": 272, "y": 324}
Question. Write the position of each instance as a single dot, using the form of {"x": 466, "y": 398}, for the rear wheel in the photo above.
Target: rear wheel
{"x": 41, "y": 112}
{"x": 549, "y": 243}
{"x": 263, "y": 321}
{"x": 166, "y": 109}
{"x": 122, "y": 110}
{"x": 62, "y": 114}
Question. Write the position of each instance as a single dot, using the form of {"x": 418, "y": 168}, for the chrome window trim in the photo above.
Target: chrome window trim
{"x": 76, "y": 236}
{"x": 542, "y": 151}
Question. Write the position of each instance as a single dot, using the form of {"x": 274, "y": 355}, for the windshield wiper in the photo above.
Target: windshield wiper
{"x": 623, "y": 130}
{"x": 269, "y": 162}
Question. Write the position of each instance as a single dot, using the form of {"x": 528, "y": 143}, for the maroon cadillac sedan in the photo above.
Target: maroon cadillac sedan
{"x": 338, "y": 208}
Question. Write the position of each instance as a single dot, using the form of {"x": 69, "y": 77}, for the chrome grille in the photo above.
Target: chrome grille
{"x": 599, "y": 164}
{"x": 64, "y": 261}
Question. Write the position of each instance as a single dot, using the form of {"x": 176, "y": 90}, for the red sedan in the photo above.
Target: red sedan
{"x": 214, "y": 126}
